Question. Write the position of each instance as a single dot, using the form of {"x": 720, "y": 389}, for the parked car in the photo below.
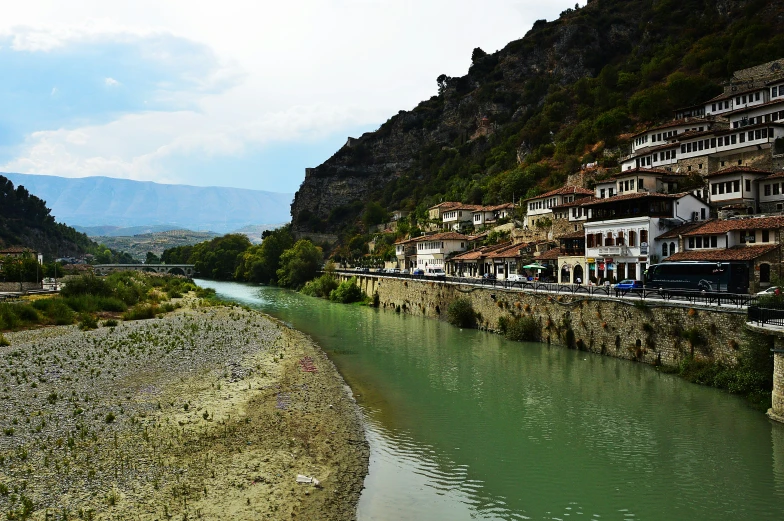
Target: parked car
{"x": 770, "y": 291}
{"x": 629, "y": 285}
{"x": 405, "y": 271}
{"x": 488, "y": 276}
{"x": 435, "y": 272}
{"x": 516, "y": 277}
{"x": 418, "y": 271}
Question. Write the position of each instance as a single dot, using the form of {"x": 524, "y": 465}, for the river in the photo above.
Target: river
{"x": 465, "y": 425}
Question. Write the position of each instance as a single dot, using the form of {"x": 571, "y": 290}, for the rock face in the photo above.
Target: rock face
{"x": 500, "y": 90}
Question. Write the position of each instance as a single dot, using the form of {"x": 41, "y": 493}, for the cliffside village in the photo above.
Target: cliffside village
{"x": 641, "y": 216}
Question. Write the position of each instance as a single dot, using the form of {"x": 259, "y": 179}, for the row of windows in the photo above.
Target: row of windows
{"x": 728, "y": 187}
{"x": 771, "y": 188}
{"x": 711, "y": 241}
{"x": 750, "y": 236}
{"x": 758, "y": 120}
{"x": 452, "y": 215}
{"x": 538, "y": 205}
{"x": 595, "y": 240}
{"x": 665, "y": 156}
{"x": 668, "y": 251}
{"x": 663, "y": 136}
{"x": 740, "y": 100}
{"x": 610, "y": 192}
{"x": 777, "y": 91}
{"x": 432, "y": 245}
{"x": 725, "y": 141}
{"x": 578, "y": 212}
{"x": 725, "y": 105}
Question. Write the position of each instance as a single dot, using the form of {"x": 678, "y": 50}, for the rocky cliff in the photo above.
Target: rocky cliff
{"x": 563, "y": 91}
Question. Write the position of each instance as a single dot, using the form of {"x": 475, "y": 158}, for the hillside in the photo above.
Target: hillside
{"x": 26, "y": 221}
{"x": 526, "y": 117}
{"x": 104, "y": 201}
{"x": 138, "y": 245}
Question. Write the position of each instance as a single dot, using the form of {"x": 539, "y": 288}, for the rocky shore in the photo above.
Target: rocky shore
{"x": 207, "y": 413}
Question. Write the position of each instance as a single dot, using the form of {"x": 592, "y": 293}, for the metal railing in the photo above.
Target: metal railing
{"x": 766, "y": 314}
{"x": 705, "y": 298}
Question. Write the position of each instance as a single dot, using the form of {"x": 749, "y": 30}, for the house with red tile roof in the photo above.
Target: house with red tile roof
{"x": 736, "y": 186}
{"x": 433, "y": 250}
{"x": 541, "y": 207}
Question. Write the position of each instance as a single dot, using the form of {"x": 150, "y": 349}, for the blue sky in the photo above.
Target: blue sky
{"x": 225, "y": 93}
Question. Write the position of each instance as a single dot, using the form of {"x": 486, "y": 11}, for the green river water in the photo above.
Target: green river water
{"x": 466, "y": 425}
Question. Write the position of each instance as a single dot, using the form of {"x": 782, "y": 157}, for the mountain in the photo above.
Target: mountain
{"x": 105, "y": 201}
{"x": 525, "y": 118}
{"x": 26, "y": 221}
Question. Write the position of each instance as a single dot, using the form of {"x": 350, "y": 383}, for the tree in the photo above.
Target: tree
{"x": 260, "y": 263}
{"x": 374, "y": 214}
{"x": 299, "y": 264}
{"x": 152, "y": 258}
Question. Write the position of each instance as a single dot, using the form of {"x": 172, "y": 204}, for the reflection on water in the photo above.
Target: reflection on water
{"x": 465, "y": 425}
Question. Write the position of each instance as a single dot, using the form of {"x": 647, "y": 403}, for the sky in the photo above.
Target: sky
{"x": 226, "y": 93}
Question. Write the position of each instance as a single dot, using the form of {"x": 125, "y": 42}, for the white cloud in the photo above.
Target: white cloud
{"x": 286, "y": 72}
{"x": 54, "y": 91}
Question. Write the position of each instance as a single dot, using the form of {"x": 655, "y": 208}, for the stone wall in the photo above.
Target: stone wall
{"x": 19, "y": 286}
{"x": 650, "y": 334}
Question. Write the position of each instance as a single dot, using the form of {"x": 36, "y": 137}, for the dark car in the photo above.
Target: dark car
{"x": 489, "y": 277}
{"x": 418, "y": 271}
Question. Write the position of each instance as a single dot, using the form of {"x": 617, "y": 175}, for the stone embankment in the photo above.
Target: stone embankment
{"x": 207, "y": 413}
{"x": 654, "y": 333}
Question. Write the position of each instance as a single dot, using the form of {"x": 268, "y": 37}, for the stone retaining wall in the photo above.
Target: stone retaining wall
{"x": 654, "y": 334}
{"x": 19, "y": 286}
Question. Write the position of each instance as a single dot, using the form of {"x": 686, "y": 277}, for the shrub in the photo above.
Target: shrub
{"x": 87, "y": 321}
{"x": 3, "y": 341}
{"x": 141, "y": 312}
{"x": 60, "y": 313}
{"x": 347, "y": 292}
{"x": 461, "y": 313}
{"x": 110, "y": 323}
{"x": 523, "y": 329}
{"x": 321, "y": 286}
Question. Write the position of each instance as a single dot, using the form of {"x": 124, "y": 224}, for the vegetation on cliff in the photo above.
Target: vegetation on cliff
{"x": 527, "y": 116}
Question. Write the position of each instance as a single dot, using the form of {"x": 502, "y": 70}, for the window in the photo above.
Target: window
{"x": 601, "y": 193}
{"x": 714, "y": 188}
{"x": 610, "y": 192}
{"x": 751, "y": 135}
{"x": 713, "y": 107}
{"x": 758, "y": 134}
{"x": 702, "y": 214}
{"x": 721, "y": 188}
{"x": 643, "y": 236}
{"x": 775, "y": 92}
{"x": 733, "y": 139}
{"x": 737, "y": 100}
{"x": 736, "y": 186}
{"x": 699, "y": 242}
{"x": 776, "y": 188}
{"x": 767, "y": 189}
{"x": 619, "y": 240}
{"x": 632, "y": 238}
{"x": 691, "y": 242}
{"x": 756, "y": 96}
{"x": 608, "y": 241}
{"x": 765, "y": 235}
{"x": 765, "y": 273}
{"x": 748, "y": 185}
{"x": 664, "y": 250}
{"x": 589, "y": 241}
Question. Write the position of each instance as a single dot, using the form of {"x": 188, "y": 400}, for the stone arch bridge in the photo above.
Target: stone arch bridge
{"x": 174, "y": 269}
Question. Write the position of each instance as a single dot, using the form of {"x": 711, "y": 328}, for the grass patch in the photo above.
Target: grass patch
{"x": 461, "y": 313}
{"x": 522, "y": 329}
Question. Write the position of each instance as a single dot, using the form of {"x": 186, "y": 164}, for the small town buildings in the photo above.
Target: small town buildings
{"x": 620, "y": 229}
{"x": 405, "y": 254}
{"x": 541, "y": 207}
{"x": 459, "y": 217}
{"x": 18, "y": 252}
{"x": 770, "y": 193}
{"x": 490, "y": 215}
{"x": 433, "y": 250}
{"x": 736, "y": 186}
{"x": 570, "y": 259}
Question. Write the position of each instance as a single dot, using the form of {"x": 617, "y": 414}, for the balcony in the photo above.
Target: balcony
{"x": 608, "y": 251}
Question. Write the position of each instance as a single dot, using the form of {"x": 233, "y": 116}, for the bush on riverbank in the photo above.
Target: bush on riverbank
{"x": 752, "y": 377}
{"x": 347, "y": 292}
{"x": 522, "y": 329}
{"x": 87, "y": 295}
{"x": 321, "y": 287}
{"x": 461, "y": 313}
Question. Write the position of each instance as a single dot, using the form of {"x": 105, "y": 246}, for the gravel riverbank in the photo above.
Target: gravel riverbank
{"x": 207, "y": 413}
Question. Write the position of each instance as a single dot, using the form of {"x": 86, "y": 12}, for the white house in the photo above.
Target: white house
{"x": 620, "y": 229}
{"x": 458, "y": 217}
{"x": 541, "y": 206}
{"x": 736, "y": 186}
{"x": 432, "y": 250}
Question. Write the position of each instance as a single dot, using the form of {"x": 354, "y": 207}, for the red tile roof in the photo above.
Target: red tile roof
{"x": 564, "y": 190}
{"x": 446, "y": 205}
{"x": 681, "y": 230}
{"x": 730, "y": 95}
{"x": 551, "y": 254}
{"x": 739, "y": 170}
{"x": 580, "y": 234}
{"x": 775, "y": 176}
{"x": 736, "y": 253}
{"x": 727, "y": 225}
{"x": 509, "y": 250}
{"x": 673, "y": 123}
{"x": 445, "y": 236}
{"x": 482, "y": 251}
{"x": 635, "y": 195}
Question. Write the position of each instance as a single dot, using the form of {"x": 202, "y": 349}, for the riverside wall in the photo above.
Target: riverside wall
{"x": 654, "y": 334}
{"x": 18, "y": 286}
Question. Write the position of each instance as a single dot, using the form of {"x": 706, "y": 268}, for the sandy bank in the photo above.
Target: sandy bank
{"x": 208, "y": 413}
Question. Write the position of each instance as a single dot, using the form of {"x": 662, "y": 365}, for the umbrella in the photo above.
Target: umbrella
{"x": 534, "y": 267}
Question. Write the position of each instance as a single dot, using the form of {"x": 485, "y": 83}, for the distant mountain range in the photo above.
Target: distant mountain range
{"x": 108, "y": 202}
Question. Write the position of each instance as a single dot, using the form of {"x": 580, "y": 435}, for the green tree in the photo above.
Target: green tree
{"x": 374, "y": 214}
{"x": 299, "y": 264}
{"x": 152, "y": 258}
{"x": 260, "y": 263}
